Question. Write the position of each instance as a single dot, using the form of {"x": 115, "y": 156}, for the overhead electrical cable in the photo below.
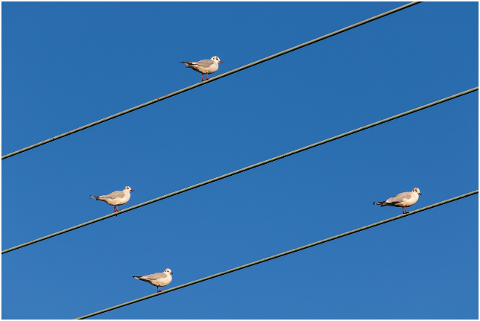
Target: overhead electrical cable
{"x": 244, "y": 169}
{"x": 210, "y": 80}
{"x": 281, "y": 254}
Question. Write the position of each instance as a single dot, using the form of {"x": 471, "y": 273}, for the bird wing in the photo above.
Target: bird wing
{"x": 204, "y": 63}
{"x": 155, "y": 276}
{"x": 400, "y": 197}
{"x": 113, "y": 195}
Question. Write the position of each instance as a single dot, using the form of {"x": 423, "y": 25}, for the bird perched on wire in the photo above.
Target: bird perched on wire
{"x": 404, "y": 199}
{"x": 158, "y": 279}
{"x": 115, "y": 198}
{"x": 204, "y": 66}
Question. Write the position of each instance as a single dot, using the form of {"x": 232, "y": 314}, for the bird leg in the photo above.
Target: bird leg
{"x": 404, "y": 211}
{"x": 158, "y": 289}
{"x": 207, "y": 75}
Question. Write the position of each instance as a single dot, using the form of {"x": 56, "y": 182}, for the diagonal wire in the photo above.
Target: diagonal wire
{"x": 282, "y": 254}
{"x": 244, "y": 169}
{"x": 211, "y": 79}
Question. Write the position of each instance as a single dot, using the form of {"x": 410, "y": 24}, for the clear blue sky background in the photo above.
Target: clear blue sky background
{"x": 68, "y": 64}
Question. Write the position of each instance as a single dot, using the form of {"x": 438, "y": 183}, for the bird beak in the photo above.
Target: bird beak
{"x": 220, "y": 61}
{"x": 419, "y": 193}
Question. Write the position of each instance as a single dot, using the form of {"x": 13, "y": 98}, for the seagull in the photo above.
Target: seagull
{"x": 115, "y": 198}
{"x": 404, "y": 199}
{"x": 158, "y": 279}
{"x": 204, "y": 66}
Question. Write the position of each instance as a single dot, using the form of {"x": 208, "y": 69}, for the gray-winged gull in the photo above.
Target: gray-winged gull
{"x": 158, "y": 279}
{"x": 115, "y": 198}
{"x": 404, "y": 199}
{"x": 204, "y": 66}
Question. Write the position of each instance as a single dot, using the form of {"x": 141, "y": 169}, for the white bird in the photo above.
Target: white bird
{"x": 115, "y": 198}
{"x": 158, "y": 279}
{"x": 404, "y": 199}
{"x": 204, "y": 66}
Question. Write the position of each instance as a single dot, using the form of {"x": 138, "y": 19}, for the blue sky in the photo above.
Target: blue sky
{"x": 68, "y": 64}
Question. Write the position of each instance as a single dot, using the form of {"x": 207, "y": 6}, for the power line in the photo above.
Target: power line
{"x": 243, "y": 169}
{"x": 211, "y": 79}
{"x": 281, "y": 254}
